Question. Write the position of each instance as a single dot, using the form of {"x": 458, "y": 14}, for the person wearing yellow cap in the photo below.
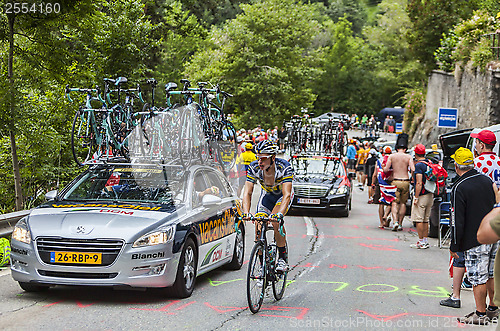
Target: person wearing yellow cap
{"x": 472, "y": 198}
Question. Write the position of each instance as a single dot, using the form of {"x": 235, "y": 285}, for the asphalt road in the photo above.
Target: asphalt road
{"x": 345, "y": 274}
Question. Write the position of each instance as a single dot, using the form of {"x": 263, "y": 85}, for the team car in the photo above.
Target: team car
{"x": 127, "y": 225}
{"x": 321, "y": 183}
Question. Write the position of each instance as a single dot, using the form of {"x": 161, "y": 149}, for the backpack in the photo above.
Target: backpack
{"x": 435, "y": 174}
{"x": 4, "y": 252}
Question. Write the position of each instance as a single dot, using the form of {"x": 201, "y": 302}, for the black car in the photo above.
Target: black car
{"x": 321, "y": 183}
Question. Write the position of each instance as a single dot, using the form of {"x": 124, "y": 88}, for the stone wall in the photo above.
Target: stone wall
{"x": 475, "y": 94}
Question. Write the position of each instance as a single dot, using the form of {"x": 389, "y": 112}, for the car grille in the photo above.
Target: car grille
{"x": 108, "y": 247}
{"x": 80, "y": 275}
{"x": 310, "y": 191}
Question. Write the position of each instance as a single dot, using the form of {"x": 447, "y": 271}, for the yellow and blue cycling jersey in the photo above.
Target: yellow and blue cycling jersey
{"x": 284, "y": 174}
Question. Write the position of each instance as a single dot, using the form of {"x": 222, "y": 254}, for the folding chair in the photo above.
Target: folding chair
{"x": 444, "y": 220}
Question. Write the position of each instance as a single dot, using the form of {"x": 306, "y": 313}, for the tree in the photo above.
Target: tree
{"x": 264, "y": 58}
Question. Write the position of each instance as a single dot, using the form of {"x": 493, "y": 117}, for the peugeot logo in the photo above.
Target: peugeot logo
{"x": 80, "y": 229}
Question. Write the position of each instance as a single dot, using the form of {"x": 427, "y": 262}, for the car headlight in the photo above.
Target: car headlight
{"x": 340, "y": 190}
{"x": 160, "y": 236}
{"x": 21, "y": 231}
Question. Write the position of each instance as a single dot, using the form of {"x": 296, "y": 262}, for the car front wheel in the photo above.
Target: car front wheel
{"x": 186, "y": 272}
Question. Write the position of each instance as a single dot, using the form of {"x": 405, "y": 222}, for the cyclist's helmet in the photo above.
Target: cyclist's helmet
{"x": 266, "y": 147}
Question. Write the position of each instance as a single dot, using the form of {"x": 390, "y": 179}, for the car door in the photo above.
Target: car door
{"x": 216, "y": 222}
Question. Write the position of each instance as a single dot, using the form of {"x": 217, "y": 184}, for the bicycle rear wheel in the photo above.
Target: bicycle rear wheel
{"x": 279, "y": 281}
{"x": 83, "y": 143}
{"x": 256, "y": 278}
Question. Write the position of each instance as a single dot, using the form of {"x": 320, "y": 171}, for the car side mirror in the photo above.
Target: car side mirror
{"x": 210, "y": 200}
{"x": 51, "y": 195}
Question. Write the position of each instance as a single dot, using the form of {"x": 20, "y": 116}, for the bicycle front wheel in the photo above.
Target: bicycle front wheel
{"x": 279, "y": 281}
{"x": 256, "y": 278}
{"x": 83, "y": 143}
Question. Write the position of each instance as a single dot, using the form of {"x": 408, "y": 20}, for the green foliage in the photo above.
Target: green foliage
{"x": 466, "y": 42}
{"x": 430, "y": 20}
{"x": 414, "y": 103}
{"x": 263, "y": 57}
{"x": 444, "y": 54}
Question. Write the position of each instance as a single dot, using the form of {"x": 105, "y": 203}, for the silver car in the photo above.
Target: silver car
{"x": 131, "y": 225}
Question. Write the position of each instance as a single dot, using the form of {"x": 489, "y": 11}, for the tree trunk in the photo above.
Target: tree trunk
{"x": 12, "y": 136}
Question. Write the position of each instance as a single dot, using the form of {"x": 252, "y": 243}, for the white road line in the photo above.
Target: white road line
{"x": 309, "y": 226}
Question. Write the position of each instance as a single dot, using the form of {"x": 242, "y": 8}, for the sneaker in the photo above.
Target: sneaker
{"x": 281, "y": 266}
{"x": 474, "y": 318}
{"x": 362, "y": 188}
{"x": 493, "y": 315}
{"x": 466, "y": 285}
{"x": 400, "y": 227}
{"x": 420, "y": 245}
{"x": 395, "y": 227}
{"x": 453, "y": 303}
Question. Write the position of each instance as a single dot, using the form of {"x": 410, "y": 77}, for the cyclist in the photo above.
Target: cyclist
{"x": 275, "y": 176}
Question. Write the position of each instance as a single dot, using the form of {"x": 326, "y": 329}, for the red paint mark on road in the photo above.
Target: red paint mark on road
{"x": 338, "y": 266}
{"x": 54, "y": 303}
{"x": 368, "y": 268}
{"x": 380, "y": 247}
{"x": 302, "y": 311}
{"x": 166, "y": 308}
{"x": 382, "y": 317}
{"x": 81, "y": 305}
{"x": 223, "y": 309}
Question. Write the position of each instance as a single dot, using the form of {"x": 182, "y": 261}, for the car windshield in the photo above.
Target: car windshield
{"x": 130, "y": 183}
{"x": 323, "y": 166}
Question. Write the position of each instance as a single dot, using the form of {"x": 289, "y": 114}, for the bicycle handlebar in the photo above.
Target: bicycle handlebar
{"x": 262, "y": 219}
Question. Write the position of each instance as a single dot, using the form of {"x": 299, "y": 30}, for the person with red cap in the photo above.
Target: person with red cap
{"x": 422, "y": 199}
{"x": 486, "y": 161}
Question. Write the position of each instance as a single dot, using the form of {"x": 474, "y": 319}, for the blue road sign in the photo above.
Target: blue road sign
{"x": 447, "y": 118}
{"x": 399, "y": 127}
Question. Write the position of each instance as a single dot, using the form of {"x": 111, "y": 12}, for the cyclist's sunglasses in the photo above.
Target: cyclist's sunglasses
{"x": 263, "y": 158}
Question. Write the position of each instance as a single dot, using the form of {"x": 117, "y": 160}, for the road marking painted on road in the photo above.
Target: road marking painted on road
{"x": 309, "y": 226}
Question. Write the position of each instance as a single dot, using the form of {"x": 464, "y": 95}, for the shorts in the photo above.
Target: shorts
{"x": 421, "y": 212}
{"x": 369, "y": 180}
{"x": 402, "y": 190}
{"x": 351, "y": 163}
{"x": 460, "y": 262}
{"x": 479, "y": 262}
{"x": 267, "y": 202}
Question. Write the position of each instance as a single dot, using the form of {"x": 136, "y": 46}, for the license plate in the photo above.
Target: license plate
{"x": 309, "y": 201}
{"x": 75, "y": 257}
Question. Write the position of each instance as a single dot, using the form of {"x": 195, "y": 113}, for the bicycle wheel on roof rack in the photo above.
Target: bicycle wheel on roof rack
{"x": 83, "y": 138}
{"x": 227, "y": 145}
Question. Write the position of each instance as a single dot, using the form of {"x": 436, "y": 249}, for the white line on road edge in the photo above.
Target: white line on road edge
{"x": 309, "y": 226}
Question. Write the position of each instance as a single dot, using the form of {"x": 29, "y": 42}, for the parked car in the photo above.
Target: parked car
{"x": 321, "y": 183}
{"x": 471, "y": 142}
{"x": 130, "y": 225}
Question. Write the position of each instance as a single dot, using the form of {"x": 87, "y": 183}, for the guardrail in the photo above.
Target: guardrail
{"x": 7, "y": 221}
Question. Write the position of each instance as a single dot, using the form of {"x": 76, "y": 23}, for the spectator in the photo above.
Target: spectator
{"x": 282, "y": 135}
{"x": 487, "y": 162}
{"x": 489, "y": 233}
{"x": 384, "y": 193}
{"x": 371, "y": 164}
{"x": 391, "y": 124}
{"x": 362, "y": 154}
{"x": 400, "y": 163}
{"x": 351, "y": 157}
{"x": 386, "y": 124}
{"x": 472, "y": 198}
{"x": 422, "y": 199}
{"x": 364, "y": 122}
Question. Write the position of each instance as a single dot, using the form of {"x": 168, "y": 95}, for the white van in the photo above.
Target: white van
{"x": 471, "y": 142}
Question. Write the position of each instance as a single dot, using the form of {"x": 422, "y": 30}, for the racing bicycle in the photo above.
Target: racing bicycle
{"x": 262, "y": 266}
